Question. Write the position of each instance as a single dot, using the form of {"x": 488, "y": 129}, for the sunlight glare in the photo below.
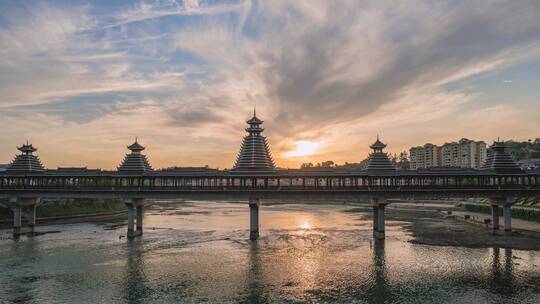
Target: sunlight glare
{"x": 306, "y": 225}
{"x": 303, "y": 148}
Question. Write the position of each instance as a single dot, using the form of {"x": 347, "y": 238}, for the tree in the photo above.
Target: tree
{"x": 327, "y": 164}
{"x": 523, "y": 150}
{"x": 306, "y": 165}
{"x": 403, "y": 160}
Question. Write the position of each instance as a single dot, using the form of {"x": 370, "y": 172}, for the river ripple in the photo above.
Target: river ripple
{"x": 199, "y": 252}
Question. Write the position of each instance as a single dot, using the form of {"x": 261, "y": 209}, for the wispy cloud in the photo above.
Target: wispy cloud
{"x": 184, "y": 73}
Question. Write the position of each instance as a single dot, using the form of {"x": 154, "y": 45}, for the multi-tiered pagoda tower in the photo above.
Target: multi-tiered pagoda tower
{"x": 254, "y": 153}
{"x": 378, "y": 160}
{"x": 135, "y": 162}
{"x": 26, "y": 162}
{"x": 499, "y": 161}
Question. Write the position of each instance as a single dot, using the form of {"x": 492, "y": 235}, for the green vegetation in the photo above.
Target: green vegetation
{"x": 524, "y": 150}
{"x": 528, "y": 214}
{"x": 79, "y": 207}
{"x": 524, "y": 202}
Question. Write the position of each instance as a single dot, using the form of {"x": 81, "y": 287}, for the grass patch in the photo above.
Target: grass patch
{"x": 79, "y": 207}
{"x": 517, "y": 212}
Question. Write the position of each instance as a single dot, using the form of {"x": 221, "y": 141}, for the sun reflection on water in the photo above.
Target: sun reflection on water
{"x": 305, "y": 225}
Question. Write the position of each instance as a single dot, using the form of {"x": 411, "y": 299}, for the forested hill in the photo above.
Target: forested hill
{"x": 525, "y": 149}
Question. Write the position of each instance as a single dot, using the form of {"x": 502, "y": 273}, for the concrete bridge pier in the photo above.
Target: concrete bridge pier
{"x": 507, "y": 213}
{"x": 17, "y": 205}
{"x": 31, "y": 219}
{"x": 495, "y": 214}
{"x": 379, "y": 204}
{"x": 139, "y": 219}
{"x": 135, "y": 216}
{"x": 254, "y": 204}
{"x": 130, "y": 220}
{"x": 16, "y": 221}
{"x": 375, "y": 218}
{"x": 506, "y": 203}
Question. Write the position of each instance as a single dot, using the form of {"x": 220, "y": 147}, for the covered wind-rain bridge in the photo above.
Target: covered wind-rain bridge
{"x": 254, "y": 176}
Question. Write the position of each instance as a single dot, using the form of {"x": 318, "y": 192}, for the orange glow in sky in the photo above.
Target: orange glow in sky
{"x": 303, "y": 148}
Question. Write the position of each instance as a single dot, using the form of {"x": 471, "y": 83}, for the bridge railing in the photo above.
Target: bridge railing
{"x": 284, "y": 182}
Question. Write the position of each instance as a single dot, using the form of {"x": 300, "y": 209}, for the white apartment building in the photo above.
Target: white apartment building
{"x": 465, "y": 154}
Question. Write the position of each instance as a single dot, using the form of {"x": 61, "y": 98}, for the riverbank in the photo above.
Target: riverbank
{"x": 71, "y": 219}
{"x": 71, "y": 211}
{"x": 433, "y": 227}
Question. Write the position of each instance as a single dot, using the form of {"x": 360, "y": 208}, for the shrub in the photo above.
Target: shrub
{"x": 517, "y": 212}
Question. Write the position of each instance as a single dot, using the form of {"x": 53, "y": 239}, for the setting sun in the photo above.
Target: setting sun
{"x": 303, "y": 148}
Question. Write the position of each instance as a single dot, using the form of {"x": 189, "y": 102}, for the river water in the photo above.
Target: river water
{"x": 199, "y": 252}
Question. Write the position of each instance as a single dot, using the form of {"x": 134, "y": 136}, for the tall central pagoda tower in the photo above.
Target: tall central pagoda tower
{"x": 254, "y": 153}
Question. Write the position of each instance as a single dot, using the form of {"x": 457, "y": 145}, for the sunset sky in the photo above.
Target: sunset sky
{"x": 81, "y": 80}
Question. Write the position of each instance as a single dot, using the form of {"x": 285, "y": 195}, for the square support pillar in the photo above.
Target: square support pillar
{"x": 139, "y": 219}
{"x": 135, "y": 216}
{"x": 16, "y": 221}
{"x": 507, "y": 203}
{"x": 378, "y": 203}
{"x": 507, "y": 213}
{"x": 375, "y": 218}
{"x": 31, "y": 219}
{"x": 495, "y": 216}
{"x": 380, "y": 221}
{"x": 130, "y": 221}
{"x": 253, "y": 218}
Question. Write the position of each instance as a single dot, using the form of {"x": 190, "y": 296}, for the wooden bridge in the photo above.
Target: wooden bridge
{"x": 20, "y": 191}
{"x": 254, "y": 177}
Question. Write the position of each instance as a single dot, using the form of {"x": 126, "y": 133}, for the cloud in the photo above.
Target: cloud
{"x": 319, "y": 63}
{"x": 147, "y": 10}
{"x": 185, "y": 74}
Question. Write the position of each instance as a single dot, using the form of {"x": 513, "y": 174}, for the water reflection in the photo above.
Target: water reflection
{"x": 21, "y": 289}
{"x": 255, "y": 289}
{"x": 306, "y": 225}
{"x": 502, "y": 279}
{"x": 380, "y": 291}
{"x": 135, "y": 280}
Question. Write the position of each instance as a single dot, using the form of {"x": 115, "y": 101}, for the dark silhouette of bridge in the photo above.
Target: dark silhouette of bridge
{"x": 254, "y": 177}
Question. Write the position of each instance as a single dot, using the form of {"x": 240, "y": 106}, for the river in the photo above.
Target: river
{"x": 199, "y": 252}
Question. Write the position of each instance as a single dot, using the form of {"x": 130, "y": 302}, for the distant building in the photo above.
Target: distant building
{"x": 426, "y": 156}
{"x": 529, "y": 164}
{"x": 464, "y": 154}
